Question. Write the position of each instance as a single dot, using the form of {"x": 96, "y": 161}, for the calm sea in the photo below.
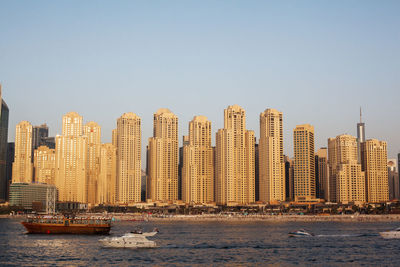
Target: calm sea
{"x": 209, "y": 244}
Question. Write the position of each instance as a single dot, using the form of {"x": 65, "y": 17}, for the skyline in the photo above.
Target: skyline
{"x": 197, "y": 59}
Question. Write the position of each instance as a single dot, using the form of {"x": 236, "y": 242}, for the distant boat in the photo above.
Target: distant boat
{"x": 135, "y": 239}
{"x": 300, "y": 233}
{"x": 391, "y": 234}
{"x": 63, "y": 225}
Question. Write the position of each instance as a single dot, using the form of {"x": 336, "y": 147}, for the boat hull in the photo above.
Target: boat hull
{"x": 126, "y": 243}
{"x": 39, "y": 228}
{"x": 390, "y": 234}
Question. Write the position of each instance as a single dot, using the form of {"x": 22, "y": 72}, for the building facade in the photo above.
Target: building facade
{"x": 44, "y": 163}
{"x": 374, "y": 164}
{"x": 198, "y": 169}
{"x": 393, "y": 179}
{"x": 304, "y": 163}
{"x": 92, "y": 131}
{"x": 107, "y": 182}
{"x": 34, "y": 196}
{"x": 71, "y": 158}
{"x": 289, "y": 178}
{"x": 235, "y": 162}
{"x": 163, "y": 149}
{"x": 321, "y": 173}
{"x": 345, "y": 173}
{"x": 22, "y": 166}
{"x": 129, "y": 158}
{"x": 4, "y": 113}
{"x": 39, "y": 133}
{"x": 271, "y": 161}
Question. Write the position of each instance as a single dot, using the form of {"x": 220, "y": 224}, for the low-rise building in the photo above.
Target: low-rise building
{"x": 33, "y": 196}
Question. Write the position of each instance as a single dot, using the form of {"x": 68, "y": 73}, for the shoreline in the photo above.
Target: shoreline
{"x": 283, "y": 218}
{"x": 244, "y": 218}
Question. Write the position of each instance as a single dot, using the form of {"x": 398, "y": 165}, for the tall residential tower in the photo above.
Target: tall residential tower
{"x": 271, "y": 161}
{"x": 71, "y": 157}
{"x": 374, "y": 163}
{"x": 129, "y": 158}
{"x": 163, "y": 150}
{"x": 3, "y": 147}
{"x": 198, "y": 169}
{"x": 235, "y": 162}
{"x": 22, "y": 167}
{"x": 304, "y": 163}
{"x": 345, "y": 174}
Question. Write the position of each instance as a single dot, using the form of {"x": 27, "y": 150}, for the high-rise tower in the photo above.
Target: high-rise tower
{"x": 304, "y": 163}
{"x": 321, "y": 173}
{"x": 71, "y": 156}
{"x": 198, "y": 170}
{"x": 3, "y": 147}
{"x": 106, "y": 184}
{"x": 39, "y": 134}
{"x": 235, "y": 162}
{"x": 347, "y": 180}
{"x": 92, "y": 131}
{"x": 129, "y": 158}
{"x": 360, "y": 136}
{"x": 22, "y": 166}
{"x": 163, "y": 149}
{"x": 271, "y": 161}
{"x": 374, "y": 163}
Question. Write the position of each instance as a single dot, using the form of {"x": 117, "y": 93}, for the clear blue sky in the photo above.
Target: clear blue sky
{"x": 316, "y": 61}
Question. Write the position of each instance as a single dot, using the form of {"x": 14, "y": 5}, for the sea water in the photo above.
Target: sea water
{"x": 209, "y": 244}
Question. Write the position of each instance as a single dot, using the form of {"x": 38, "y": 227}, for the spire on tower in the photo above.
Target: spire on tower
{"x": 360, "y": 116}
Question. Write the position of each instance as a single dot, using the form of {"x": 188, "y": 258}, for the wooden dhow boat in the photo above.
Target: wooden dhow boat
{"x": 66, "y": 225}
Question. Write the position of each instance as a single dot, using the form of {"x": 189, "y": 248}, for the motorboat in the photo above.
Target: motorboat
{"x": 134, "y": 239}
{"x": 392, "y": 234}
{"x": 300, "y": 233}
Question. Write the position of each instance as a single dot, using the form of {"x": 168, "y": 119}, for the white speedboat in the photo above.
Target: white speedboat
{"x": 391, "y": 234}
{"x": 135, "y": 239}
{"x": 300, "y": 233}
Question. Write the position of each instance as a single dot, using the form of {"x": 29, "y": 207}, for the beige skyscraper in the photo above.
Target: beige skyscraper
{"x": 271, "y": 161}
{"x": 322, "y": 177}
{"x": 71, "y": 160}
{"x": 374, "y": 163}
{"x": 115, "y": 137}
{"x": 347, "y": 180}
{"x": 129, "y": 161}
{"x": 163, "y": 148}
{"x": 92, "y": 131}
{"x": 45, "y": 165}
{"x": 235, "y": 162}
{"x": 198, "y": 169}
{"x": 304, "y": 163}
{"x": 22, "y": 170}
{"x": 106, "y": 184}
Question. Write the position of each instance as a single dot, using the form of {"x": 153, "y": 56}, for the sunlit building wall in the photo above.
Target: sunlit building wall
{"x": 129, "y": 158}
{"x": 304, "y": 163}
{"x": 235, "y": 159}
{"x": 92, "y": 131}
{"x": 44, "y": 164}
{"x": 198, "y": 170}
{"x": 22, "y": 170}
{"x": 271, "y": 161}
{"x": 163, "y": 157}
{"x": 71, "y": 160}
{"x": 345, "y": 171}
{"x": 106, "y": 184}
{"x": 374, "y": 163}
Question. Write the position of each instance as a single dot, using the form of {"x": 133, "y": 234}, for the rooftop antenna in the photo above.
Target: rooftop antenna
{"x": 360, "y": 116}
